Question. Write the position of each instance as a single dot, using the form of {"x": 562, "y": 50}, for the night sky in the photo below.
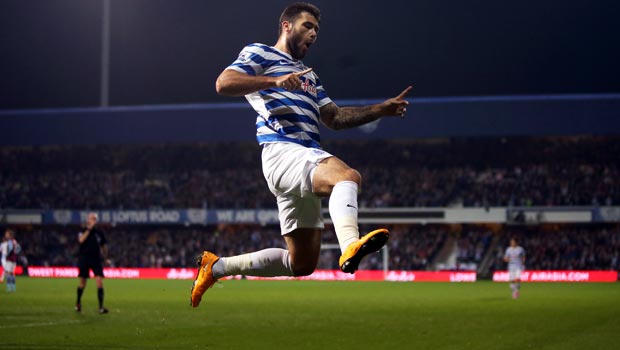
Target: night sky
{"x": 171, "y": 51}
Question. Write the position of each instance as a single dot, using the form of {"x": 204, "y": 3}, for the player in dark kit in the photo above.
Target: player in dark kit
{"x": 92, "y": 250}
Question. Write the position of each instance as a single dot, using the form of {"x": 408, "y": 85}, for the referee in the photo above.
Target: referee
{"x": 92, "y": 250}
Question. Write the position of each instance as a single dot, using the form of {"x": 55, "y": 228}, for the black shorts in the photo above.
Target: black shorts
{"x": 86, "y": 264}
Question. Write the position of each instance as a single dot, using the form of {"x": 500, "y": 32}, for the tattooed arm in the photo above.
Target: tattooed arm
{"x": 338, "y": 118}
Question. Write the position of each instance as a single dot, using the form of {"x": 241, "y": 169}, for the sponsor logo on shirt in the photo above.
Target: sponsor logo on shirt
{"x": 306, "y": 86}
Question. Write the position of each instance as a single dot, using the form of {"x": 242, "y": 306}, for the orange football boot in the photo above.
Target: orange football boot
{"x": 204, "y": 279}
{"x": 355, "y": 252}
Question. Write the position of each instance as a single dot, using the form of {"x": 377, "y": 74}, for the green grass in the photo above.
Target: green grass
{"x": 153, "y": 314}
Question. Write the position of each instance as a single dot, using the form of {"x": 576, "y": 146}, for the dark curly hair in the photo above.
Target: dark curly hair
{"x": 292, "y": 11}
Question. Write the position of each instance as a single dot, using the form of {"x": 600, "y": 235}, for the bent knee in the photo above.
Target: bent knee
{"x": 352, "y": 175}
{"x": 306, "y": 271}
{"x": 303, "y": 270}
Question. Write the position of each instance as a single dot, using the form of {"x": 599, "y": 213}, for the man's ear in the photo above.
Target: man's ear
{"x": 286, "y": 26}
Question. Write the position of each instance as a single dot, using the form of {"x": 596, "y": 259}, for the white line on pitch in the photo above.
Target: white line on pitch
{"x": 40, "y": 324}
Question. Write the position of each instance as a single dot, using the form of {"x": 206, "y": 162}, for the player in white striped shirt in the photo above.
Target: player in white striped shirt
{"x": 515, "y": 257}
{"x": 291, "y": 102}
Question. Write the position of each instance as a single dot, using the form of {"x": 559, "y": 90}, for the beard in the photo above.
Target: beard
{"x": 296, "y": 45}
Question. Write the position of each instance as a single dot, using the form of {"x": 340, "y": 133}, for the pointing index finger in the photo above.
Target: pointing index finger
{"x": 303, "y": 72}
{"x": 404, "y": 93}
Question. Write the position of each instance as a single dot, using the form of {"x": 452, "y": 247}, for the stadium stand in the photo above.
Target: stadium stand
{"x": 577, "y": 247}
{"x": 480, "y": 172}
{"x": 457, "y": 172}
{"x": 411, "y": 247}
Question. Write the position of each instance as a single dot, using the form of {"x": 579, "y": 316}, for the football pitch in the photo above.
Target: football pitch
{"x": 155, "y": 314}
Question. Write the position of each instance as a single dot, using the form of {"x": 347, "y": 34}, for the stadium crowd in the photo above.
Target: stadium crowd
{"x": 478, "y": 172}
{"x": 472, "y": 246}
{"x": 411, "y": 247}
{"x": 475, "y": 172}
{"x": 579, "y": 247}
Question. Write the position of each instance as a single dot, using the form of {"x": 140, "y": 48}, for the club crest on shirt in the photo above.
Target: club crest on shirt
{"x": 244, "y": 57}
{"x": 318, "y": 152}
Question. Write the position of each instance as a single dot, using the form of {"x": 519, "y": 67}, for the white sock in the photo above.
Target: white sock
{"x": 343, "y": 211}
{"x": 272, "y": 262}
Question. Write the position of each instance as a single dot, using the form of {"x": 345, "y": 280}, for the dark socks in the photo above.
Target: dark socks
{"x": 80, "y": 291}
{"x": 100, "y": 296}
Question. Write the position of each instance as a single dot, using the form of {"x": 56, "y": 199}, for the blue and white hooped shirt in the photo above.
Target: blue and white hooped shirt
{"x": 283, "y": 116}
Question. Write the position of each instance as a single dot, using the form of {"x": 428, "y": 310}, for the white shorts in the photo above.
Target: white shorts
{"x": 8, "y": 266}
{"x": 288, "y": 169}
{"x": 514, "y": 274}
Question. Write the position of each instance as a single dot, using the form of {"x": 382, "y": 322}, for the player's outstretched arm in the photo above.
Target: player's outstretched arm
{"x": 233, "y": 83}
{"x": 338, "y": 118}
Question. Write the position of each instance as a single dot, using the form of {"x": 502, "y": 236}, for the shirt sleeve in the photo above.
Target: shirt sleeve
{"x": 102, "y": 240}
{"x": 250, "y": 61}
{"x": 321, "y": 94}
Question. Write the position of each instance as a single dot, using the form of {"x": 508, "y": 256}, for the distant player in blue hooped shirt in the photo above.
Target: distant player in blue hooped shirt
{"x": 290, "y": 101}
